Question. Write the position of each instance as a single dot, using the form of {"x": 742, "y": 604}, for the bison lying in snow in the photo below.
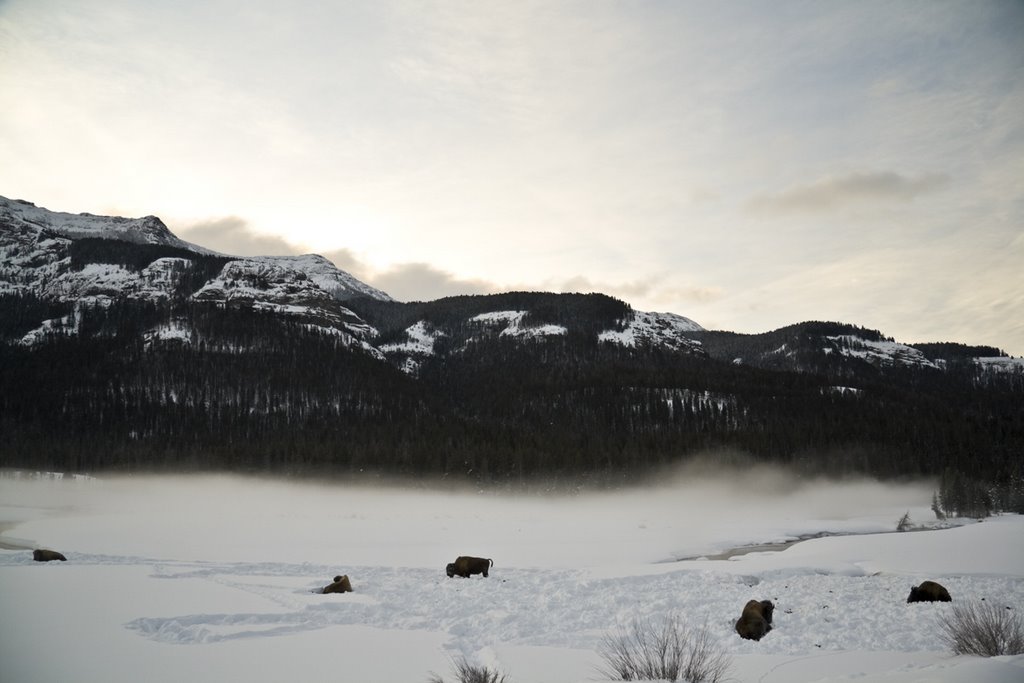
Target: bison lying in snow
{"x": 929, "y": 591}
{"x": 464, "y": 566}
{"x": 40, "y": 555}
{"x": 341, "y": 585}
{"x": 756, "y": 619}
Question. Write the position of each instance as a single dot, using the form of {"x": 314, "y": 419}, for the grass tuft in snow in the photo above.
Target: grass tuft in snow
{"x": 469, "y": 673}
{"x": 985, "y": 629}
{"x": 671, "y": 651}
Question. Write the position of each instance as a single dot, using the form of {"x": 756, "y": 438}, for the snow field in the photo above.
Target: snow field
{"x": 158, "y": 580}
{"x": 556, "y": 608}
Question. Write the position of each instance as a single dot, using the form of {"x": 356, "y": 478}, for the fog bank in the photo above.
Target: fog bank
{"x": 685, "y": 513}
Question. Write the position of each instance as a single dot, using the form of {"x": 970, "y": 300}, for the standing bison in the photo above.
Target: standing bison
{"x": 341, "y": 585}
{"x": 929, "y": 591}
{"x": 465, "y": 566}
{"x": 40, "y": 555}
{"x": 756, "y": 619}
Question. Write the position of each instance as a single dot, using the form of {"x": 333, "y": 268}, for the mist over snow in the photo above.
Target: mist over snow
{"x": 228, "y": 518}
{"x": 215, "y": 578}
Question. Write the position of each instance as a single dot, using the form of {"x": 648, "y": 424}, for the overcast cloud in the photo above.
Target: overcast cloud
{"x": 837, "y": 193}
{"x": 745, "y": 164}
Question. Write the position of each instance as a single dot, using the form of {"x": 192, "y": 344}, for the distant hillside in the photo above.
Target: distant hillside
{"x": 124, "y": 348}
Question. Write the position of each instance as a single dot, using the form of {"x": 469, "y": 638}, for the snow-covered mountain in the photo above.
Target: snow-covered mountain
{"x": 32, "y": 221}
{"x": 884, "y": 353}
{"x": 666, "y": 330}
{"x": 833, "y": 347}
{"x": 84, "y": 261}
{"x": 457, "y": 326}
{"x": 122, "y": 346}
{"x": 87, "y": 260}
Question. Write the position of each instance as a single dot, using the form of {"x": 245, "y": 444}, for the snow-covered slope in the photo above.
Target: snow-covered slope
{"x": 665, "y": 330}
{"x": 325, "y": 275}
{"x": 1001, "y": 364}
{"x": 265, "y": 283}
{"x": 35, "y": 241}
{"x": 42, "y": 253}
{"x": 146, "y": 230}
{"x": 884, "y": 353}
{"x": 86, "y": 261}
{"x": 418, "y": 344}
{"x": 36, "y": 257}
{"x": 510, "y": 324}
{"x": 655, "y": 329}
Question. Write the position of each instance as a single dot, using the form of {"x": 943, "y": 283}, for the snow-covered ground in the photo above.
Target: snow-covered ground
{"x": 664, "y": 329}
{"x": 511, "y": 324}
{"x": 212, "y": 579}
{"x": 883, "y": 353}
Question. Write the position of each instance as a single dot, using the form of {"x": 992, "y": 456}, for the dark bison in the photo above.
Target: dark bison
{"x": 929, "y": 591}
{"x": 40, "y": 555}
{"x": 341, "y": 585}
{"x": 464, "y": 566}
{"x": 756, "y": 619}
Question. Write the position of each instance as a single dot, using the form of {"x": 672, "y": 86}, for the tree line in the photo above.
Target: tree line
{"x": 246, "y": 390}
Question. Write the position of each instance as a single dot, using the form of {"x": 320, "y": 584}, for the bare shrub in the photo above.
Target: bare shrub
{"x": 986, "y": 629}
{"x": 669, "y": 652}
{"x": 470, "y": 673}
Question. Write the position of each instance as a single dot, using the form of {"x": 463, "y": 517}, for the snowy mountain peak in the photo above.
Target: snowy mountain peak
{"x": 145, "y": 230}
{"x": 884, "y": 353}
{"x": 35, "y": 230}
{"x": 325, "y": 275}
{"x": 89, "y": 260}
{"x": 658, "y": 329}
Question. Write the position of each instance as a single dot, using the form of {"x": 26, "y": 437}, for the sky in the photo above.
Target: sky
{"x": 748, "y": 165}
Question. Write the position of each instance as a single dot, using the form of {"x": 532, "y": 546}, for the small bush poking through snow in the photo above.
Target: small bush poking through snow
{"x": 985, "y": 629}
{"x": 671, "y": 652}
{"x": 904, "y": 523}
{"x": 468, "y": 673}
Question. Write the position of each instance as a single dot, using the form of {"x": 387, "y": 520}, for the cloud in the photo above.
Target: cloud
{"x": 405, "y": 282}
{"x": 839, "y": 192}
{"x": 347, "y": 261}
{"x": 656, "y": 291}
{"x": 424, "y": 282}
{"x": 233, "y": 236}
{"x": 874, "y": 288}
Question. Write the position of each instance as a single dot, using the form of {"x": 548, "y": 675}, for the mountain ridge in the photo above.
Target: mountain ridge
{"x": 310, "y": 285}
{"x": 149, "y": 353}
